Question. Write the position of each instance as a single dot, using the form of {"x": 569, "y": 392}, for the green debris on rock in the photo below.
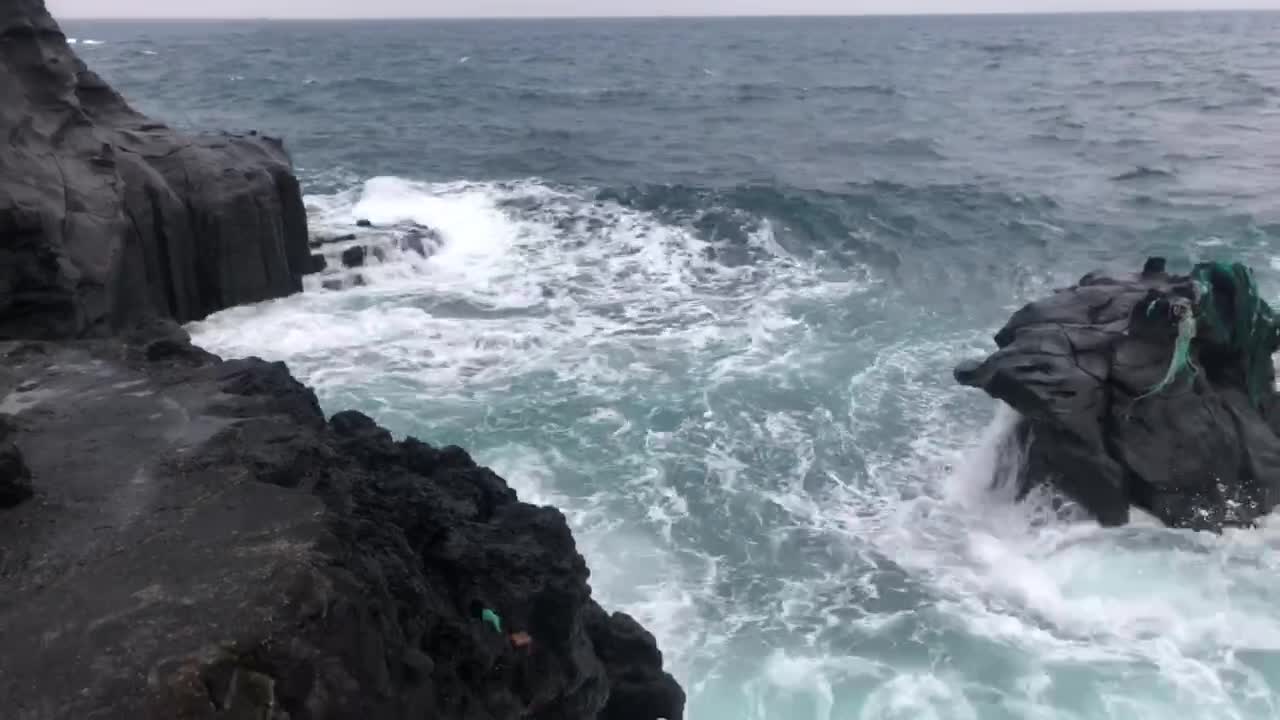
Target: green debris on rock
{"x": 1229, "y": 315}
{"x": 1237, "y": 318}
{"x": 492, "y": 618}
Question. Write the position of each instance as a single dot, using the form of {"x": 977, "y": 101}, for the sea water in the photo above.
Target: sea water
{"x": 701, "y": 284}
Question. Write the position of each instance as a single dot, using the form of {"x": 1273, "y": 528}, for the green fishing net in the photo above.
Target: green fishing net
{"x": 1237, "y": 319}
{"x": 1181, "y": 359}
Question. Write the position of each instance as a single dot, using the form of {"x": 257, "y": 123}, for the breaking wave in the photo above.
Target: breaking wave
{"x": 759, "y": 450}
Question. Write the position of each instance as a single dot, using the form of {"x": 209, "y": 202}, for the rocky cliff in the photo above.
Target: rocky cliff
{"x": 183, "y": 536}
{"x": 109, "y": 216}
{"x": 1151, "y": 390}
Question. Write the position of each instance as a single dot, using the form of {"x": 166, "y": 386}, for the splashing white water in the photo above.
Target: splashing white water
{"x": 566, "y": 298}
{"x": 798, "y": 506}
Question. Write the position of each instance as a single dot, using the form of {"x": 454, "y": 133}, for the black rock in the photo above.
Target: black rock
{"x": 317, "y": 264}
{"x": 15, "y": 477}
{"x": 320, "y": 241}
{"x": 364, "y": 223}
{"x": 423, "y": 241}
{"x": 413, "y": 241}
{"x": 638, "y": 688}
{"x": 107, "y": 216}
{"x": 1087, "y": 367}
{"x": 353, "y": 256}
{"x": 207, "y": 544}
{"x": 353, "y": 424}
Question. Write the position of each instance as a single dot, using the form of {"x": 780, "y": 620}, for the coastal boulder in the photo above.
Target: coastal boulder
{"x": 107, "y": 216}
{"x": 353, "y": 257}
{"x": 1149, "y": 390}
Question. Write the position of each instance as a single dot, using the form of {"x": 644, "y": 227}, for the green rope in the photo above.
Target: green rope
{"x": 1181, "y": 358}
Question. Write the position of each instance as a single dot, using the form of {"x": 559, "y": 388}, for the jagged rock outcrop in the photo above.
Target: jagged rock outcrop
{"x": 204, "y": 544}
{"x": 1148, "y": 390}
{"x": 107, "y": 215}
{"x": 188, "y": 538}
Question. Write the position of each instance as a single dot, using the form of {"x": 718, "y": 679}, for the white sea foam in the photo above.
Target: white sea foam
{"x": 534, "y": 281}
{"x": 808, "y": 525}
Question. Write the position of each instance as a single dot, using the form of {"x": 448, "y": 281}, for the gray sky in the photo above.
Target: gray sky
{"x": 525, "y": 8}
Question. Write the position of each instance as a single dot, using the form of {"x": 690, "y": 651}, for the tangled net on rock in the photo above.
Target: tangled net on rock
{"x": 1237, "y": 319}
{"x": 1229, "y": 316}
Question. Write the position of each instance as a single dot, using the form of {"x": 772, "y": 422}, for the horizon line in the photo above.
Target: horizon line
{"x": 778, "y": 16}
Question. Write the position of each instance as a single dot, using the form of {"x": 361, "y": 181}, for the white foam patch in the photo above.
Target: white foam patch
{"x": 540, "y": 296}
{"x": 805, "y": 521}
{"x": 1172, "y": 612}
{"x": 918, "y": 696}
{"x": 530, "y": 278}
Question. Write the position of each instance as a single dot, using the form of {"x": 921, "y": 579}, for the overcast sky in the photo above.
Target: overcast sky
{"x": 525, "y": 8}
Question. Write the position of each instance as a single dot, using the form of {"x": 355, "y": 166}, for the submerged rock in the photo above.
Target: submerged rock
{"x": 1145, "y": 390}
{"x": 353, "y": 257}
{"x": 423, "y": 241}
{"x": 320, "y": 241}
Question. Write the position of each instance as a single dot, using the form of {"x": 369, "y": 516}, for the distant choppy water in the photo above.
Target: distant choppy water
{"x": 702, "y": 284}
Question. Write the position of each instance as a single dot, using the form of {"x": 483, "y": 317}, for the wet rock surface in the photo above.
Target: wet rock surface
{"x": 187, "y": 537}
{"x": 203, "y": 537}
{"x": 108, "y": 216}
{"x": 1149, "y": 390}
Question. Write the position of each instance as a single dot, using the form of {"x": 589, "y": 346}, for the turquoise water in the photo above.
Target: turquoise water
{"x": 701, "y": 284}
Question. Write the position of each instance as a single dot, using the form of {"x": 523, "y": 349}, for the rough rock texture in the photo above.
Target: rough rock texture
{"x": 106, "y": 215}
{"x": 1086, "y": 369}
{"x": 203, "y": 544}
{"x": 15, "y": 476}
{"x": 187, "y": 538}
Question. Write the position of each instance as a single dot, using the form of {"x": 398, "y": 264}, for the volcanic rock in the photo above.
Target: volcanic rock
{"x": 1146, "y": 390}
{"x": 108, "y": 216}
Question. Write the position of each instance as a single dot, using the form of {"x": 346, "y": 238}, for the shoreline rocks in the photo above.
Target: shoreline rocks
{"x": 222, "y": 542}
{"x": 183, "y": 536}
{"x": 1149, "y": 390}
{"x": 111, "y": 217}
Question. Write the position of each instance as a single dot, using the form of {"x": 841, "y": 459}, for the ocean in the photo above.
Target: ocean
{"x": 702, "y": 283}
